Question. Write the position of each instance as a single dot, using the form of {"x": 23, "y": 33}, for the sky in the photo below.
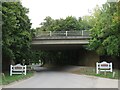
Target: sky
{"x": 39, "y": 9}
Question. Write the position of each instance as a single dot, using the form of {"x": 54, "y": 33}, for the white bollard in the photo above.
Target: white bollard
{"x": 50, "y": 33}
{"x": 113, "y": 74}
{"x": 66, "y": 33}
{"x": 97, "y": 68}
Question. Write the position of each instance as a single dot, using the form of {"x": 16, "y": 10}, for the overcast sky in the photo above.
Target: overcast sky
{"x": 39, "y": 9}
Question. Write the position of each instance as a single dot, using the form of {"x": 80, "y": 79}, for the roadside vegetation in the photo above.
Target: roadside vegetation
{"x": 91, "y": 71}
{"x": 7, "y": 79}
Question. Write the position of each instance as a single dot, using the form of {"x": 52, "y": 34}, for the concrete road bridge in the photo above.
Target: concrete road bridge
{"x": 60, "y": 39}
{"x": 70, "y": 44}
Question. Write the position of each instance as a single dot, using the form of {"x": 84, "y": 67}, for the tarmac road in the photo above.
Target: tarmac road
{"x": 45, "y": 78}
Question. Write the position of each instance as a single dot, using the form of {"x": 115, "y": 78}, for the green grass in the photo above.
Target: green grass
{"x": 91, "y": 71}
{"x": 0, "y": 79}
{"x": 7, "y": 79}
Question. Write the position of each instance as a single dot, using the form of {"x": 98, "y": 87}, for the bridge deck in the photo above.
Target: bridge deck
{"x": 62, "y": 37}
{"x": 60, "y": 40}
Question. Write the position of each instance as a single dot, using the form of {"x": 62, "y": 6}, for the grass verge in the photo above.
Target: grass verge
{"x": 91, "y": 71}
{"x": 7, "y": 79}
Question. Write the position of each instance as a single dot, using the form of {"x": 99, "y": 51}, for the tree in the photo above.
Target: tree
{"x": 87, "y": 22}
{"x": 16, "y": 30}
{"x": 70, "y": 23}
{"x": 106, "y": 31}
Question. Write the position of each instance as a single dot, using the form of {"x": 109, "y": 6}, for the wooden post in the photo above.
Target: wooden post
{"x": 50, "y": 33}
{"x": 66, "y": 33}
{"x": 110, "y": 67}
{"x": 11, "y": 67}
{"x": 82, "y": 32}
{"x": 97, "y": 68}
{"x": 105, "y": 73}
{"x": 113, "y": 74}
{"x": 25, "y": 70}
{"x": 3, "y": 75}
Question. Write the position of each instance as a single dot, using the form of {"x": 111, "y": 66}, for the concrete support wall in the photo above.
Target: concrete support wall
{"x": 88, "y": 58}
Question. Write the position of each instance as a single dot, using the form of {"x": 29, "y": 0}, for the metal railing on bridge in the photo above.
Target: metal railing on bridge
{"x": 62, "y": 33}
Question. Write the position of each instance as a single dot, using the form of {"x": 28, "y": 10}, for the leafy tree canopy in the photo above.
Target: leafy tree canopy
{"x": 106, "y": 31}
{"x": 16, "y": 30}
{"x": 70, "y": 23}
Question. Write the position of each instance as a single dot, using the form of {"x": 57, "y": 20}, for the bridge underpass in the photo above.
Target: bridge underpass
{"x": 56, "y": 47}
{"x": 71, "y": 44}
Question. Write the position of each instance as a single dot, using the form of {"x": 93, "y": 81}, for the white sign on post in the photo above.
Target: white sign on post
{"x": 103, "y": 67}
{"x": 17, "y": 69}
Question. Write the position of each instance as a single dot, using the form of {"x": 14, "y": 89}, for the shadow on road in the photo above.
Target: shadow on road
{"x": 55, "y": 68}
